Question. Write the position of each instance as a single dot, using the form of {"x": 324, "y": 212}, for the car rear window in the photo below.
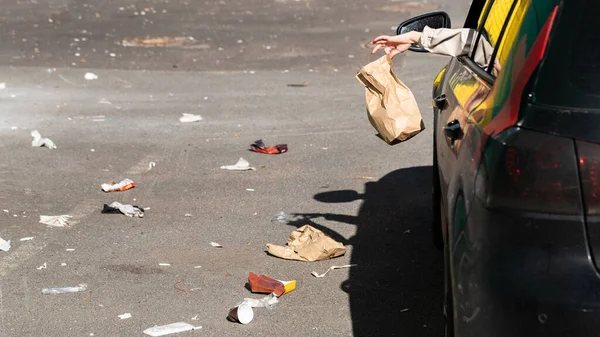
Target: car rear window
{"x": 570, "y": 74}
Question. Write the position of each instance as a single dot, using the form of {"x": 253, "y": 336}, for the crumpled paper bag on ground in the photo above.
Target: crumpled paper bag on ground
{"x": 391, "y": 106}
{"x": 308, "y": 244}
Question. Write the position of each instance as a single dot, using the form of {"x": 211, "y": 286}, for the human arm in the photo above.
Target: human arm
{"x": 394, "y": 45}
{"x": 444, "y": 41}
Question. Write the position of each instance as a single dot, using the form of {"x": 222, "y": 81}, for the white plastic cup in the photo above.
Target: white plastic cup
{"x": 242, "y": 314}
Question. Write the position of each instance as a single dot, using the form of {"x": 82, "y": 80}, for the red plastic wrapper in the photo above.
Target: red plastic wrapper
{"x": 260, "y": 147}
{"x": 265, "y": 285}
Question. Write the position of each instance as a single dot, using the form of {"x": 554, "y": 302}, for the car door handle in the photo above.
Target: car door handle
{"x": 452, "y": 130}
{"x": 440, "y": 102}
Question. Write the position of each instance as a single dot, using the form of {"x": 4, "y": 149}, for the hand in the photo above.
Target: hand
{"x": 394, "y": 45}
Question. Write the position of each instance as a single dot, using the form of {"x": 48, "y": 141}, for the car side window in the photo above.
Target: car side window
{"x": 491, "y": 49}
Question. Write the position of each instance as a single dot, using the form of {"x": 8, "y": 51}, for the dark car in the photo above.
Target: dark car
{"x": 516, "y": 170}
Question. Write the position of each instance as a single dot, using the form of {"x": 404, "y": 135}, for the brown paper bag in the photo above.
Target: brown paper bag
{"x": 391, "y": 106}
{"x": 308, "y": 244}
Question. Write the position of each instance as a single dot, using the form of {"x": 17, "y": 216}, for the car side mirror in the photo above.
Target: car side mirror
{"x": 433, "y": 20}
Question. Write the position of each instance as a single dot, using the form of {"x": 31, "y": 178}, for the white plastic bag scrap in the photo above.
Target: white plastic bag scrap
{"x": 4, "y": 245}
{"x": 55, "y": 220}
{"x": 241, "y": 165}
{"x": 188, "y": 118}
{"x": 90, "y": 76}
{"x": 128, "y": 210}
{"x": 168, "y": 329}
{"x": 268, "y": 302}
{"x": 38, "y": 141}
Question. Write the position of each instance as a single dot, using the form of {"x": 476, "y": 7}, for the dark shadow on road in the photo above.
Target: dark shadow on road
{"x": 397, "y": 288}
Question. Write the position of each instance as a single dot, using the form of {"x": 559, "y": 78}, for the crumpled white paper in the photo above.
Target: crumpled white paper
{"x": 55, "y": 220}
{"x": 128, "y": 210}
{"x": 268, "y": 302}
{"x": 38, "y": 141}
{"x": 4, "y": 245}
{"x": 168, "y": 329}
{"x": 90, "y": 76}
{"x": 241, "y": 165}
{"x": 117, "y": 186}
{"x": 188, "y": 118}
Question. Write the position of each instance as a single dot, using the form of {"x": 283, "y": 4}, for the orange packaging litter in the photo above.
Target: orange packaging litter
{"x": 265, "y": 285}
{"x": 124, "y": 185}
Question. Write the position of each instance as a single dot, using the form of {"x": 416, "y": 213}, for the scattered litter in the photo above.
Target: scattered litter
{"x": 6, "y": 211}
{"x": 187, "y": 215}
{"x": 267, "y": 285}
{"x": 298, "y": 85}
{"x": 92, "y": 150}
{"x": 317, "y": 275}
{"x": 162, "y": 41}
{"x": 195, "y": 318}
{"x": 250, "y": 189}
{"x": 281, "y": 216}
{"x": 184, "y": 290}
{"x": 128, "y": 210}
{"x": 4, "y": 245}
{"x": 242, "y": 313}
{"x": 55, "y": 220}
{"x": 188, "y": 118}
{"x": 404, "y": 310}
{"x": 168, "y": 329}
{"x": 217, "y": 245}
{"x": 308, "y": 244}
{"x": 124, "y": 185}
{"x": 406, "y": 231}
{"x": 38, "y": 141}
{"x": 241, "y": 165}
{"x": 91, "y": 76}
{"x": 365, "y": 178}
{"x": 151, "y": 165}
{"x": 146, "y": 208}
{"x": 63, "y": 264}
{"x": 197, "y": 267}
{"x": 70, "y": 249}
{"x": 260, "y": 147}
{"x": 27, "y": 238}
{"x": 164, "y": 264}
{"x": 124, "y": 316}
{"x": 64, "y": 290}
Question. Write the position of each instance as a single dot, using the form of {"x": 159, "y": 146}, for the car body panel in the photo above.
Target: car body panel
{"x": 513, "y": 273}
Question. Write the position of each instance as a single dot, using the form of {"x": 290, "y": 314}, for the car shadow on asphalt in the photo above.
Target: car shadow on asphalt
{"x": 397, "y": 287}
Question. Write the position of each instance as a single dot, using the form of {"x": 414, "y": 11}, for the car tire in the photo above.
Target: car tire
{"x": 436, "y": 222}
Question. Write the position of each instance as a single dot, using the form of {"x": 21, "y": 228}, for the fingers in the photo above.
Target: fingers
{"x": 380, "y": 39}
{"x": 377, "y": 48}
{"x": 394, "y": 52}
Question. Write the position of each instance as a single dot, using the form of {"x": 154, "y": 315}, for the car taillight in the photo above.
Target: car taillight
{"x": 529, "y": 171}
{"x": 589, "y": 168}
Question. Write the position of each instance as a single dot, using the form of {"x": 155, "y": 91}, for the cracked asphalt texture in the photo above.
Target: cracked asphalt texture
{"x": 234, "y": 70}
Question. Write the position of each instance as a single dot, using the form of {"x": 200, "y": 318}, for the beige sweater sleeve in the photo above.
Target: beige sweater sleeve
{"x": 456, "y": 42}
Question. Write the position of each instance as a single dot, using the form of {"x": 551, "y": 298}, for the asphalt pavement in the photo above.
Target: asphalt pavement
{"x": 280, "y": 70}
